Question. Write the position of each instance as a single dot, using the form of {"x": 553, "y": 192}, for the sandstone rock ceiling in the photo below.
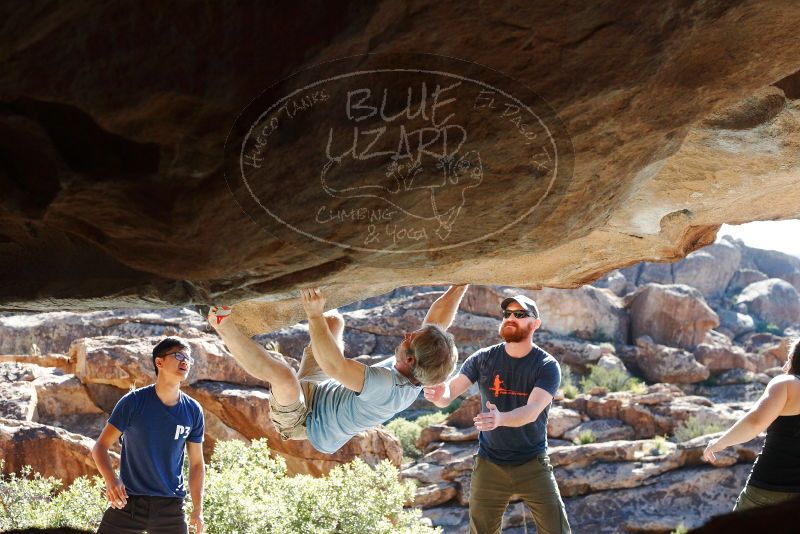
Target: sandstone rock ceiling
{"x": 113, "y": 122}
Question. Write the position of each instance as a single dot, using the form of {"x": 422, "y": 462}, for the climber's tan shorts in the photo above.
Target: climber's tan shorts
{"x": 290, "y": 421}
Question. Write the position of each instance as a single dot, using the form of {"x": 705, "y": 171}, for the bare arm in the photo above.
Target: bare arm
{"x": 754, "y": 422}
{"x": 329, "y": 356}
{"x": 538, "y": 400}
{"x": 443, "y": 310}
{"x": 197, "y": 475}
{"x": 115, "y": 490}
{"x": 443, "y": 394}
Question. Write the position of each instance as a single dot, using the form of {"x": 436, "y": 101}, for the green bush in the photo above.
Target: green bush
{"x": 611, "y": 379}
{"x": 770, "y": 328}
{"x": 408, "y": 431}
{"x": 680, "y": 529}
{"x": 585, "y": 437}
{"x": 568, "y": 384}
{"x": 659, "y": 446}
{"x": 29, "y": 500}
{"x": 693, "y": 427}
{"x": 246, "y": 492}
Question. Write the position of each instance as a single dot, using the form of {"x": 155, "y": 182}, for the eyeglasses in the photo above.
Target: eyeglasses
{"x": 519, "y": 314}
{"x": 181, "y": 357}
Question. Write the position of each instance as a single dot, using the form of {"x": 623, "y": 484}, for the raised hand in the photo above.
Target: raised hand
{"x": 313, "y": 301}
{"x": 217, "y": 315}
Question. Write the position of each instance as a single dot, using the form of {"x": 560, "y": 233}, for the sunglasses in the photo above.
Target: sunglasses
{"x": 519, "y": 314}
{"x": 181, "y": 357}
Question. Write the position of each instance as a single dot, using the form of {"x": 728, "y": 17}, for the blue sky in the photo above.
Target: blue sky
{"x": 770, "y": 235}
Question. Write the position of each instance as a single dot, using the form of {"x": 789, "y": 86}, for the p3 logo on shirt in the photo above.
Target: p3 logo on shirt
{"x": 179, "y": 429}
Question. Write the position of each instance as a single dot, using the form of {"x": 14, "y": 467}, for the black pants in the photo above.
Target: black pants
{"x": 156, "y": 515}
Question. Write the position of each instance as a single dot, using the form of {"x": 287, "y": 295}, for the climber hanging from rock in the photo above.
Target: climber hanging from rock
{"x": 331, "y": 398}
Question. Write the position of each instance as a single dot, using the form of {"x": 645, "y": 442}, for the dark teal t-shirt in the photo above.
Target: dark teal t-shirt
{"x": 154, "y": 437}
{"x": 507, "y": 383}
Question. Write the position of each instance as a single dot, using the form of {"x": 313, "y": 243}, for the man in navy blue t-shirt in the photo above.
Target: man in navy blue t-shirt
{"x": 156, "y": 423}
{"x": 517, "y": 382}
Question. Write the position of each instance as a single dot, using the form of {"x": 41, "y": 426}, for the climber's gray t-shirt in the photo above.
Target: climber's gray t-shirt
{"x": 338, "y": 413}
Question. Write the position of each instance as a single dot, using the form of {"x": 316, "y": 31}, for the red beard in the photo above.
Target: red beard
{"x": 518, "y": 334}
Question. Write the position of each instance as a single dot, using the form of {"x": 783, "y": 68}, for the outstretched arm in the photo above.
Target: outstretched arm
{"x": 329, "y": 356}
{"x": 754, "y": 422}
{"x": 443, "y": 310}
{"x": 443, "y": 394}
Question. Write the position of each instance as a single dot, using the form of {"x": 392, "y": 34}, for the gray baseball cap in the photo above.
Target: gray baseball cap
{"x": 525, "y": 302}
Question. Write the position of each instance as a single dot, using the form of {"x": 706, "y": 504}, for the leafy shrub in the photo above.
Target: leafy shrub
{"x": 770, "y": 328}
{"x": 246, "y": 492}
{"x": 680, "y": 529}
{"x": 694, "y": 427}
{"x": 659, "y": 446}
{"x": 408, "y": 431}
{"x": 611, "y": 379}
{"x": 584, "y": 437}
{"x": 568, "y": 384}
{"x": 29, "y": 500}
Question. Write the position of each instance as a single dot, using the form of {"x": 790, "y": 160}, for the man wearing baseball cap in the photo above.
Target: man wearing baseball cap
{"x": 517, "y": 382}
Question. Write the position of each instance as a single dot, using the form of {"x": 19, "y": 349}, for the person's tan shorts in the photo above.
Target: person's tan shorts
{"x": 290, "y": 421}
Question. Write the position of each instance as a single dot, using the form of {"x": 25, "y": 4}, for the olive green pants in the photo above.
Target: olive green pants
{"x": 753, "y": 497}
{"x": 493, "y": 485}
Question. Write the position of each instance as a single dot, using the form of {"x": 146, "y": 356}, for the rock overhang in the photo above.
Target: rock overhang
{"x": 114, "y": 186}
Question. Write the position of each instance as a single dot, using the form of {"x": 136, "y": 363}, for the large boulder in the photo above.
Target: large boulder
{"x": 655, "y": 273}
{"x": 773, "y": 263}
{"x": 561, "y": 420}
{"x": 49, "y": 450}
{"x": 61, "y": 395}
{"x": 710, "y": 269}
{"x": 602, "y": 430}
{"x": 63, "y": 401}
{"x": 59, "y": 361}
{"x": 578, "y": 354}
{"x": 587, "y": 312}
{"x": 126, "y": 363}
{"x": 659, "y": 363}
{"x": 672, "y": 315}
{"x": 772, "y": 301}
{"x": 462, "y": 417}
{"x": 246, "y": 410}
{"x": 683, "y": 497}
{"x": 55, "y": 331}
{"x": 736, "y": 323}
{"x": 485, "y": 300}
{"x": 18, "y": 401}
{"x": 743, "y": 278}
{"x": 616, "y": 282}
{"x": 718, "y": 354}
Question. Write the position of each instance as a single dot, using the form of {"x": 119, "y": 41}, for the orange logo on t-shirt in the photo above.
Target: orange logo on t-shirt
{"x": 503, "y": 391}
